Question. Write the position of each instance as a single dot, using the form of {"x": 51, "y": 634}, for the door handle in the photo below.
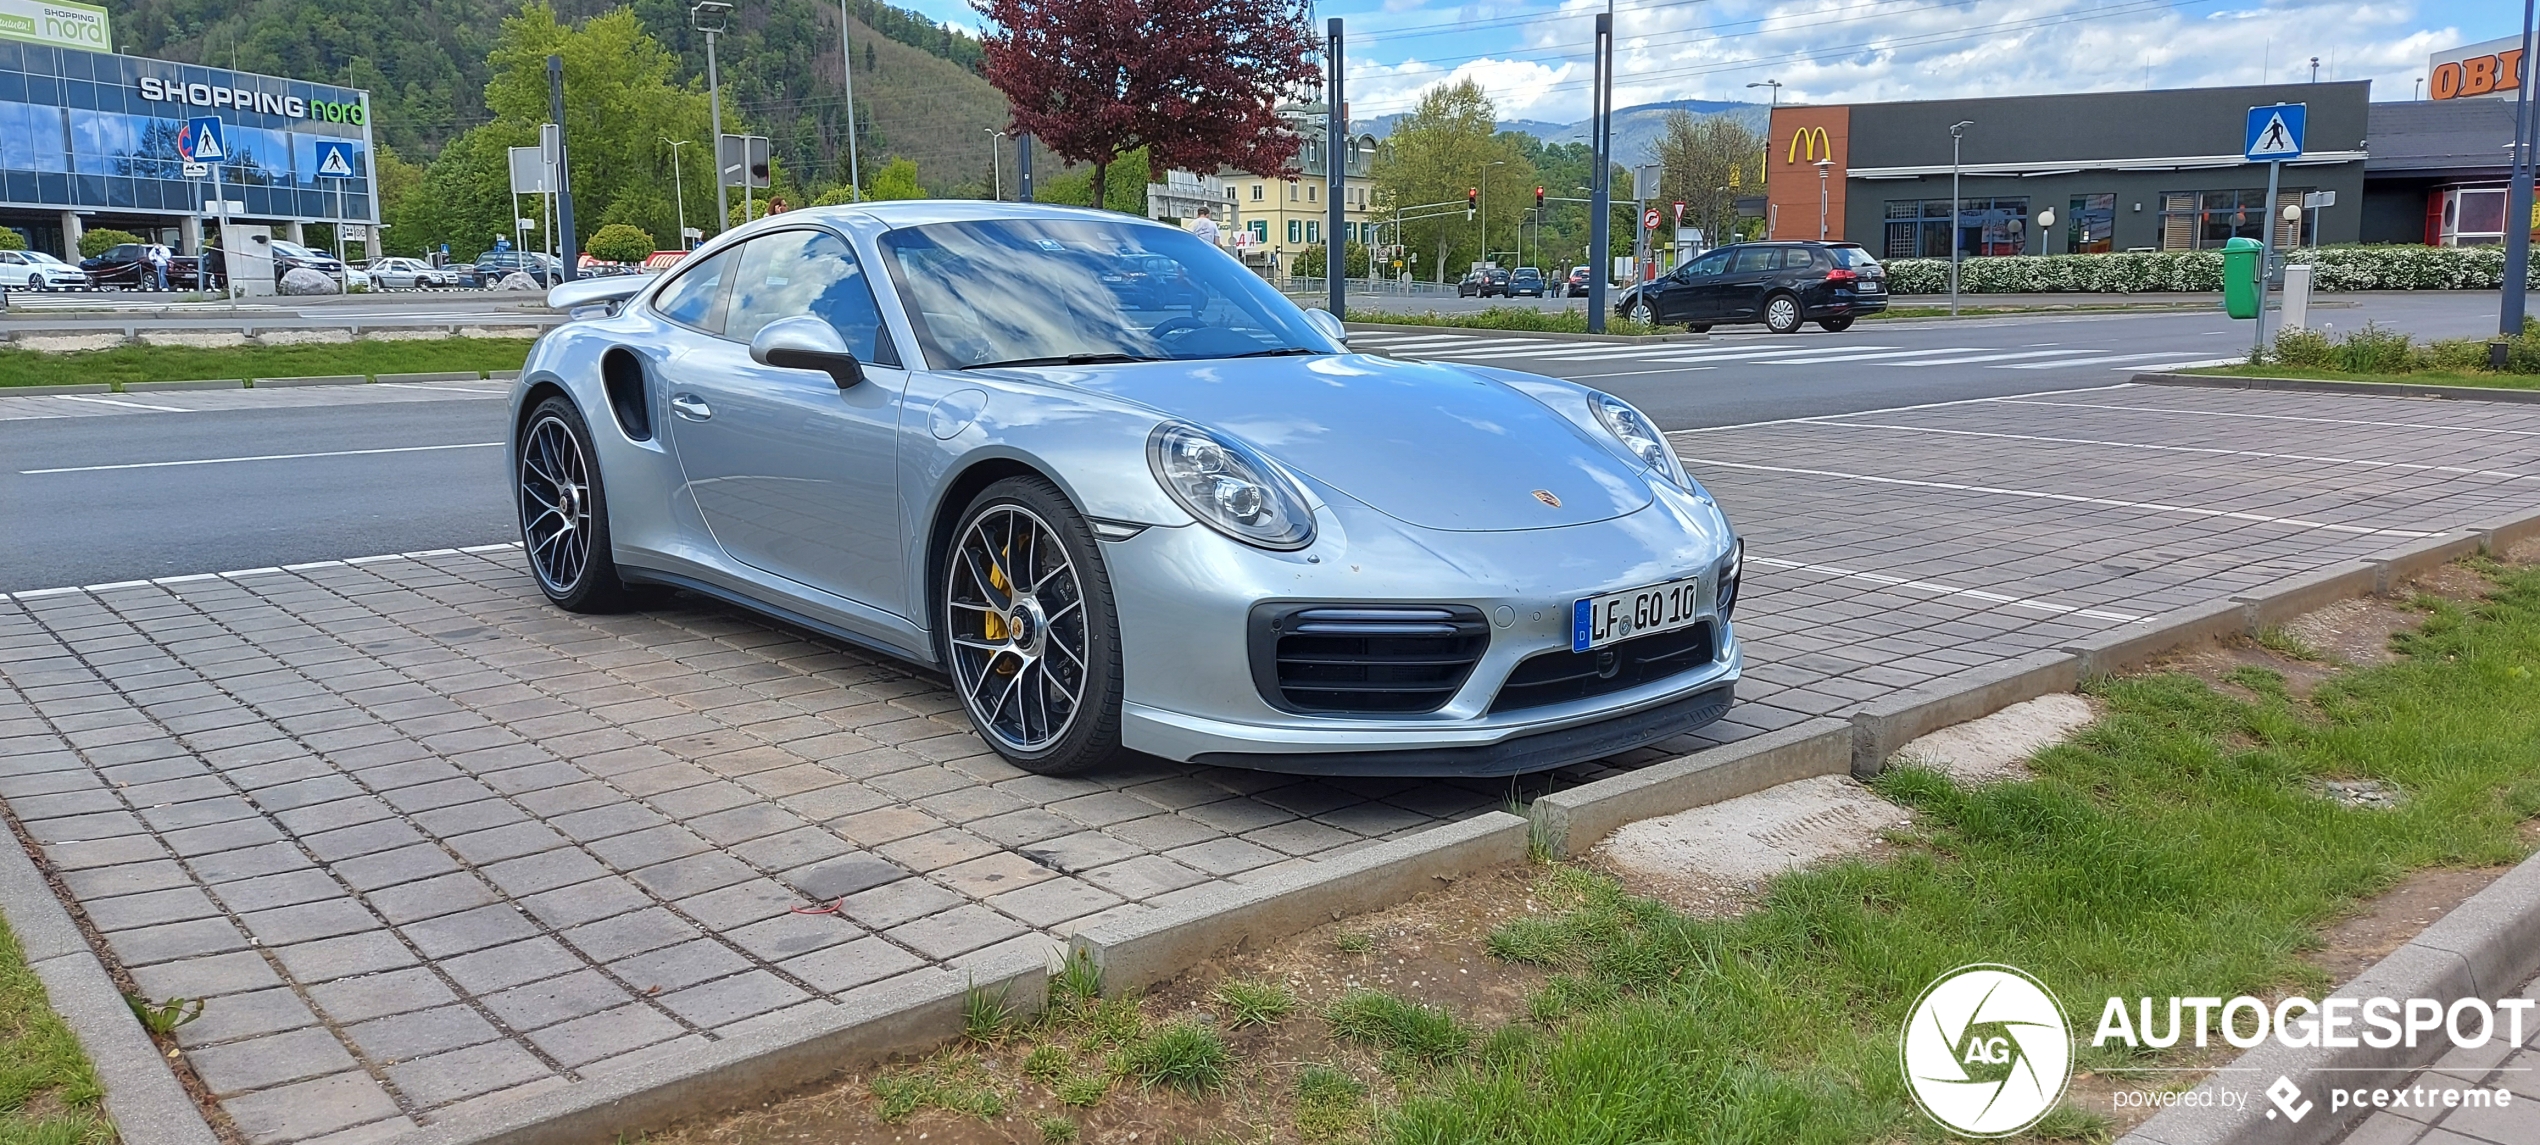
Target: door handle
{"x": 690, "y": 406}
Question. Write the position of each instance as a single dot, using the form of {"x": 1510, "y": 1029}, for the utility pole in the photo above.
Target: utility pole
{"x": 2518, "y": 197}
{"x": 1958, "y": 135}
{"x": 1023, "y": 168}
{"x": 1336, "y": 151}
{"x": 1601, "y": 198}
{"x": 568, "y": 254}
{"x": 680, "y": 186}
{"x": 996, "y": 165}
{"x": 709, "y": 17}
{"x": 846, "y": 70}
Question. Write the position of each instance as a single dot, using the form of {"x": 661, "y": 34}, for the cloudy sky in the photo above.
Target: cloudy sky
{"x": 1532, "y": 56}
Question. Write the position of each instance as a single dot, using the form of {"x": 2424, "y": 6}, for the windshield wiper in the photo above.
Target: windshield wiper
{"x": 1280, "y": 352}
{"x": 1065, "y": 360}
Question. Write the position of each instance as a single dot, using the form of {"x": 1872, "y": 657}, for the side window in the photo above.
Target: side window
{"x": 1757, "y": 258}
{"x": 1802, "y": 258}
{"x": 695, "y": 298}
{"x": 1712, "y": 263}
{"x": 793, "y": 273}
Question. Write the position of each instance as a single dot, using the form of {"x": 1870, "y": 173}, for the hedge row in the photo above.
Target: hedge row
{"x": 2339, "y": 268}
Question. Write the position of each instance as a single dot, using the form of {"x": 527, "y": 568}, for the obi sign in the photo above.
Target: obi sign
{"x": 56, "y": 25}
{"x": 2492, "y": 70}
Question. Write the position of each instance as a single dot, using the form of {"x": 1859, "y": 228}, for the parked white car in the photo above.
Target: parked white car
{"x": 410, "y": 274}
{"x": 36, "y": 270}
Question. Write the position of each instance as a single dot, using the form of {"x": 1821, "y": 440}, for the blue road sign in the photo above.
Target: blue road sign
{"x": 2275, "y": 133}
{"x": 201, "y": 141}
{"x": 335, "y": 160}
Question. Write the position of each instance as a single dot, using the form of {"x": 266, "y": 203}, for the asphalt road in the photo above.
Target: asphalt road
{"x": 252, "y": 494}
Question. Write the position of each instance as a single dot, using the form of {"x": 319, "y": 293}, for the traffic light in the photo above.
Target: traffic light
{"x": 1538, "y": 198}
{"x": 1473, "y": 199}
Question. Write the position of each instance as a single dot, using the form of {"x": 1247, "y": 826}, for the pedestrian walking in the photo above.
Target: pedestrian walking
{"x": 158, "y": 258}
{"x": 1205, "y": 227}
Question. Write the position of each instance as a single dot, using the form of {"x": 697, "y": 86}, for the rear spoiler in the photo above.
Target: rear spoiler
{"x": 597, "y": 297}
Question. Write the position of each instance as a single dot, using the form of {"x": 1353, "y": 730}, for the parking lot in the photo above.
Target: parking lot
{"x": 425, "y": 841}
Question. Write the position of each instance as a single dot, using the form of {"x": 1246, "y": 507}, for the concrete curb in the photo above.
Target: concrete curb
{"x": 41, "y": 391}
{"x": 2321, "y": 385}
{"x": 1145, "y": 949}
{"x": 202, "y": 384}
{"x": 2484, "y": 948}
{"x": 913, "y": 1016}
{"x": 1882, "y": 726}
{"x": 1546, "y": 335}
{"x": 413, "y": 379}
{"x": 143, "y": 1096}
{"x": 1572, "y": 821}
{"x": 330, "y": 380}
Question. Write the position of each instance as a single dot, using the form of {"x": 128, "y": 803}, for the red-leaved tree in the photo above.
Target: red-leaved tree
{"x": 1195, "y": 82}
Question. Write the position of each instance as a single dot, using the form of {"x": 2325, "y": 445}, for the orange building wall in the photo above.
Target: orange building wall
{"x": 1791, "y": 184}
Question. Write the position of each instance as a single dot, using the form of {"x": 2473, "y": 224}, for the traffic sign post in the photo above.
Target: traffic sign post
{"x": 202, "y": 144}
{"x": 335, "y": 161}
{"x": 2274, "y": 136}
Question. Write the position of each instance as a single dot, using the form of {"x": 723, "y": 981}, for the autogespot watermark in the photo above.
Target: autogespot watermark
{"x": 1987, "y": 1051}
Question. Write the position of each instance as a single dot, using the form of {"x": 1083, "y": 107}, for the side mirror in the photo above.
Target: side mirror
{"x": 806, "y": 343}
{"x": 1330, "y": 327}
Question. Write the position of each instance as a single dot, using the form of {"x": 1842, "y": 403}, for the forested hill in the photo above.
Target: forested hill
{"x": 424, "y": 63}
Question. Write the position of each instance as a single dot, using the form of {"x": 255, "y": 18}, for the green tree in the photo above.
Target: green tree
{"x": 618, "y": 242}
{"x": 10, "y": 239}
{"x": 898, "y": 180}
{"x": 1308, "y": 263}
{"x": 622, "y": 97}
{"x": 1442, "y": 150}
{"x": 94, "y": 243}
{"x": 1709, "y": 161}
{"x": 1124, "y": 191}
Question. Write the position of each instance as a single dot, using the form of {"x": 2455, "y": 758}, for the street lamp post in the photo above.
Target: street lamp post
{"x": 2046, "y": 231}
{"x": 1957, "y": 135}
{"x": 709, "y": 17}
{"x": 1483, "y": 207}
{"x": 1825, "y": 167}
{"x": 1776, "y": 85}
{"x": 996, "y": 164}
{"x": 846, "y": 71}
{"x": 679, "y": 187}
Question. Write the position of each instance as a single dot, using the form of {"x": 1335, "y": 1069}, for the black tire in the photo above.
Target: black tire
{"x": 1699, "y": 327}
{"x": 985, "y": 631}
{"x": 1783, "y": 313}
{"x": 564, "y": 512}
{"x": 1835, "y": 325}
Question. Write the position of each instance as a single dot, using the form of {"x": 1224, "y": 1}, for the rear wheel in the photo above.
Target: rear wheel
{"x": 1030, "y": 637}
{"x": 1781, "y": 314}
{"x": 1835, "y": 325}
{"x": 564, "y": 518}
{"x": 1699, "y": 327}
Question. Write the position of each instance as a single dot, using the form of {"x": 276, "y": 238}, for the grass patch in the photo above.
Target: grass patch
{"x": 2177, "y": 847}
{"x": 953, "y": 1082}
{"x": 191, "y": 363}
{"x": 1381, "y": 1021}
{"x": 48, "y": 1093}
{"x": 2479, "y": 378}
{"x": 1184, "y": 1055}
{"x": 1519, "y": 318}
{"x": 1248, "y": 1003}
{"x": 2372, "y": 353}
{"x": 1331, "y": 1106}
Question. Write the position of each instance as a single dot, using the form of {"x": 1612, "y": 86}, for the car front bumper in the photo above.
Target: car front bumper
{"x": 1184, "y": 595}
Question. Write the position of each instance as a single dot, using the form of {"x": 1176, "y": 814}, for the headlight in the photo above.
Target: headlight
{"x": 1229, "y": 487}
{"x": 1732, "y": 570}
{"x": 1641, "y": 438}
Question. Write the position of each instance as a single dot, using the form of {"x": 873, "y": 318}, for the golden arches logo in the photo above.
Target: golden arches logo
{"x": 1812, "y": 141}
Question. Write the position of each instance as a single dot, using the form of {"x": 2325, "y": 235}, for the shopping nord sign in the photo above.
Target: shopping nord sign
{"x": 1808, "y": 145}
{"x": 58, "y": 25}
{"x": 159, "y": 90}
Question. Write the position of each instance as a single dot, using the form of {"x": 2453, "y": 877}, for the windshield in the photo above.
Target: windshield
{"x": 295, "y": 250}
{"x": 1055, "y": 291}
{"x": 40, "y": 256}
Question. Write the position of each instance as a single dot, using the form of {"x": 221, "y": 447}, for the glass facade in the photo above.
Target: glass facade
{"x": 1919, "y": 228}
{"x": 80, "y": 131}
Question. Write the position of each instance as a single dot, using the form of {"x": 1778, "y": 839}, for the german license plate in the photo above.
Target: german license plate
{"x": 1597, "y": 621}
{"x": 1873, "y": 288}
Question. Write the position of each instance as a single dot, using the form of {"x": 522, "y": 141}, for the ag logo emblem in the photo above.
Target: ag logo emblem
{"x": 1545, "y": 496}
{"x": 1985, "y": 1051}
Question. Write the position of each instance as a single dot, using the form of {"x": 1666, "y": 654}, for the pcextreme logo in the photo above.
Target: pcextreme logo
{"x": 1986, "y": 1050}
{"x": 1808, "y": 144}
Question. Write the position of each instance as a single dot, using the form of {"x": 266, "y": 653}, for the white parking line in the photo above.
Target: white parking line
{"x": 2024, "y": 401}
{"x": 2216, "y": 451}
{"x": 259, "y": 457}
{"x": 2068, "y": 498}
{"x": 121, "y": 402}
{"x": 1990, "y": 358}
{"x": 1865, "y": 357}
{"x": 235, "y": 574}
{"x": 1938, "y": 589}
{"x": 2095, "y": 359}
{"x": 1899, "y": 409}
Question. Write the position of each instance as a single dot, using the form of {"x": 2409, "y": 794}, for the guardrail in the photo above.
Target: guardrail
{"x": 1395, "y": 288}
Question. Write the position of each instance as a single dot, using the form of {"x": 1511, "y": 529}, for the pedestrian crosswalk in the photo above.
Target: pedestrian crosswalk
{"x": 1547, "y": 355}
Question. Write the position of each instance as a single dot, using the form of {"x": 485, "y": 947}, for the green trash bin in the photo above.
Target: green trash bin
{"x": 2243, "y": 259}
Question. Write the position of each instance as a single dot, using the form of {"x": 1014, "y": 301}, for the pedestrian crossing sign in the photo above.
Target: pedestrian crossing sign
{"x": 2275, "y": 133}
{"x": 335, "y": 160}
{"x": 200, "y": 141}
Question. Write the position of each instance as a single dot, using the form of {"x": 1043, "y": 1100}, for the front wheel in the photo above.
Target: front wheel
{"x": 1835, "y": 325}
{"x": 564, "y": 519}
{"x": 1781, "y": 314}
{"x": 1030, "y": 636}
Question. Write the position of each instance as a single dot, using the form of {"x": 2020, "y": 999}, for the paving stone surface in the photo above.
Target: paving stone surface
{"x": 426, "y": 842}
{"x": 2472, "y": 1096}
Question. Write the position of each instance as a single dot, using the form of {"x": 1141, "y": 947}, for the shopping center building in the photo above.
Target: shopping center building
{"x": 89, "y": 139}
{"x": 2139, "y": 171}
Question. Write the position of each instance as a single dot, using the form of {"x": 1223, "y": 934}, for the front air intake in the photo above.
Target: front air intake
{"x": 1365, "y": 659}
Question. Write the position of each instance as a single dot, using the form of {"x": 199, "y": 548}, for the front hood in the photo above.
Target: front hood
{"x": 1427, "y": 444}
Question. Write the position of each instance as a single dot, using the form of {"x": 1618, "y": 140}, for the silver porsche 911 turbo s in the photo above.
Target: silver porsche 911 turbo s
{"x": 1127, "y": 497}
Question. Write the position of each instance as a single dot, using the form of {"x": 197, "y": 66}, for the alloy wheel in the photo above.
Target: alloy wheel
{"x": 1015, "y": 618}
{"x": 1782, "y": 314}
{"x": 555, "y": 504}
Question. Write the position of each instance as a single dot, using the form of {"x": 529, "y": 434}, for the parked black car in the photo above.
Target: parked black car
{"x": 494, "y": 264}
{"x": 287, "y": 257}
{"x": 125, "y": 266}
{"x": 1780, "y": 284}
{"x": 1476, "y": 283}
{"x": 1525, "y": 280}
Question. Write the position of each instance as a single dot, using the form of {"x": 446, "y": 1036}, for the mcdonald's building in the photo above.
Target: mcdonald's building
{"x": 2141, "y": 170}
